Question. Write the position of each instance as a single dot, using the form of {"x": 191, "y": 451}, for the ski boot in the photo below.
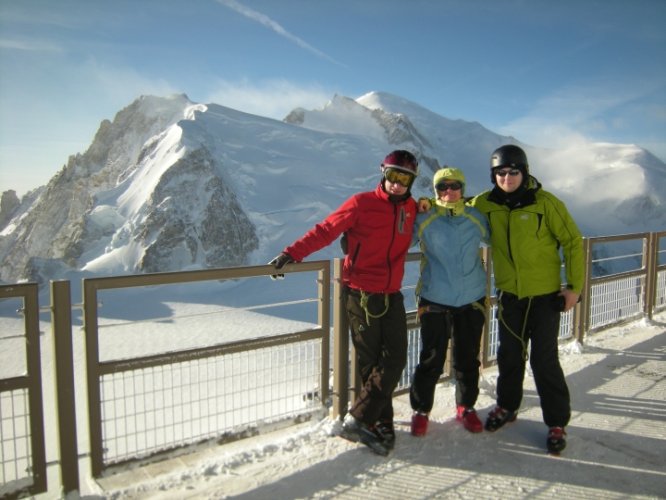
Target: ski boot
{"x": 356, "y": 431}
{"x": 469, "y": 418}
{"x": 498, "y": 417}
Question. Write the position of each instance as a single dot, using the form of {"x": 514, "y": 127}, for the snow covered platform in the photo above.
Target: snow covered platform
{"x": 616, "y": 444}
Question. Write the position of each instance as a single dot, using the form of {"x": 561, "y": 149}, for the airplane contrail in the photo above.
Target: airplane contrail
{"x": 276, "y": 27}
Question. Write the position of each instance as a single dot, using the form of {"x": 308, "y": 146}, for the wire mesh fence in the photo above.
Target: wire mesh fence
{"x": 158, "y": 408}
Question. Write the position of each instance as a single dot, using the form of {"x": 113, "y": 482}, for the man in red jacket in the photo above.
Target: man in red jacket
{"x": 377, "y": 227}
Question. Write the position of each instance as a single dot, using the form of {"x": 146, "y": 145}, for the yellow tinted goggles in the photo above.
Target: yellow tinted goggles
{"x": 398, "y": 177}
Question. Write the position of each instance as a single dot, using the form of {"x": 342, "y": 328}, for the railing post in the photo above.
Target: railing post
{"x": 651, "y": 269}
{"x": 61, "y": 326}
{"x": 33, "y": 382}
{"x": 488, "y": 307}
{"x": 324, "y": 319}
{"x": 586, "y": 293}
{"x": 90, "y": 327}
{"x": 340, "y": 346}
{"x": 576, "y": 321}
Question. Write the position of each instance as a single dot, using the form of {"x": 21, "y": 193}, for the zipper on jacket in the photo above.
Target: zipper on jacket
{"x": 353, "y": 258}
{"x": 508, "y": 235}
{"x": 388, "y": 253}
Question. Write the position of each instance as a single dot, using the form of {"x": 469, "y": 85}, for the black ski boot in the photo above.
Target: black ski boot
{"x": 556, "y": 441}
{"x": 386, "y": 431}
{"x": 498, "y": 417}
{"x": 356, "y": 431}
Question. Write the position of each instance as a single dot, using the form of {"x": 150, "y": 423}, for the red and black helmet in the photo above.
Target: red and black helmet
{"x": 401, "y": 159}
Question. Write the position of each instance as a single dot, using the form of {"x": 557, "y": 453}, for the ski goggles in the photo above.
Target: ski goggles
{"x": 503, "y": 173}
{"x": 398, "y": 177}
{"x": 445, "y": 186}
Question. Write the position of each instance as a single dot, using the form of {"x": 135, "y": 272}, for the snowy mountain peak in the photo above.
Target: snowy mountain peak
{"x": 155, "y": 106}
{"x": 340, "y": 115}
{"x": 389, "y": 103}
{"x": 137, "y": 200}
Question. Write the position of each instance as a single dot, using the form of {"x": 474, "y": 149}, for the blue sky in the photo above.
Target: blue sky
{"x": 547, "y": 72}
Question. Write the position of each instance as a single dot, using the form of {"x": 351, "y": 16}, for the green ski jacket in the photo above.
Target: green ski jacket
{"x": 526, "y": 243}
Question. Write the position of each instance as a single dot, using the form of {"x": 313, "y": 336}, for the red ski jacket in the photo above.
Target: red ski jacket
{"x": 379, "y": 234}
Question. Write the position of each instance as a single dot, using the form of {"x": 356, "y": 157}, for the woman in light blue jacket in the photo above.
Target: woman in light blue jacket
{"x": 451, "y": 293}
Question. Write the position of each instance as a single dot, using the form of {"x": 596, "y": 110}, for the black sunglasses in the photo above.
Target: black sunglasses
{"x": 444, "y": 186}
{"x": 513, "y": 172}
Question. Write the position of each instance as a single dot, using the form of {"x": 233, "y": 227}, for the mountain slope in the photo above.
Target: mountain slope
{"x": 170, "y": 184}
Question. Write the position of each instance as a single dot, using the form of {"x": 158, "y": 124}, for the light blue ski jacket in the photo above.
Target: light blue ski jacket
{"x": 452, "y": 272}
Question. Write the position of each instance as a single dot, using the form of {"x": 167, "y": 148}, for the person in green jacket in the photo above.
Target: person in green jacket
{"x": 531, "y": 232}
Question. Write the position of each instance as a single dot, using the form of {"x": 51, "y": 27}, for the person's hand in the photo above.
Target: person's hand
{"x": 423, "y": 205}
{"x": 278, "y": 263}
{"x": 570, "y": 299}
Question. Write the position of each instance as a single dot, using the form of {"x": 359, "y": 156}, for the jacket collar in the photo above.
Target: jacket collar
{"x": 524, "y": 196}
{"x": 456, "y": 208}
{"x": 381, "y": 193}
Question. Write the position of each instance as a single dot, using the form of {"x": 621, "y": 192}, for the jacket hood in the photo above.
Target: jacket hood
{"x": 448, "y": 173}
{"x": 533, "y": 184}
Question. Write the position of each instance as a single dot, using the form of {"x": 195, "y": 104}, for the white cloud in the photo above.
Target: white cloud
{"x": 582, "y": 113}
{"x": 121, "y": 85}
{"x": 29, "y": 45}
{"x": 276, "y": 27}
{"x": 271, "y": 98}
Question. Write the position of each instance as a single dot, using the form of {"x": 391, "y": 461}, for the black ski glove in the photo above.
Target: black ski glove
{"x": 279, "y": 262}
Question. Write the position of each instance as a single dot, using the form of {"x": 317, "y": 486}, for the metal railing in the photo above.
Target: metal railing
{"x": 623, "y": 274}
{"x": 159, "y": 402}
{"x": 143, "y": 404}
{"x": 23, "y": 455}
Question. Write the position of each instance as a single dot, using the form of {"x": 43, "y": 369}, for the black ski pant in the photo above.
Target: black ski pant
{"x": 439, "y": 324}
{"x": 534, "y": 321}
{"x": 381, "y": 351}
